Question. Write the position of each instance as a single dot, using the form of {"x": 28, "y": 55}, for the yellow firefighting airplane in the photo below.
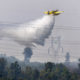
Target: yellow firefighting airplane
{"x": 54, "y": 12}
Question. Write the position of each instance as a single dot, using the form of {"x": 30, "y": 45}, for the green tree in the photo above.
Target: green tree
{"x": 79, "y": 65}
{"x": 28, "y": 73}
{"x": 65, "y": 74}
{"x": 35, "y": 74}
{"x": 15, "y": 71}
{"x": 3, "y": 72}
{"x": 49, "y": 66}
{"x": 74, "y": 76}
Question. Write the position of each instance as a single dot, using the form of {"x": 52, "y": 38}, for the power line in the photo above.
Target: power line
{"x": 62, "y": 42}
{"x": 62, "y": 56}
{"x": 26, "y": 24}
{"x": 55, "y": 28}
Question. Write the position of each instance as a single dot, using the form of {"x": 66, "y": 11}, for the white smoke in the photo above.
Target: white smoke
{"x": 31, "y": 33}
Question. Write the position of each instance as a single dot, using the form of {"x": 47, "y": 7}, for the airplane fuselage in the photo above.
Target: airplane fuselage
{"x": 56, "y": 12}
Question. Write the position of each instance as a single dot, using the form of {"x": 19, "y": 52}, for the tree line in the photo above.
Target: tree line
{"x": 51, "y": 71}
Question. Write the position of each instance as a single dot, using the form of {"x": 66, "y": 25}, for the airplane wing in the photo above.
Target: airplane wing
{"x": 59, "y": 11}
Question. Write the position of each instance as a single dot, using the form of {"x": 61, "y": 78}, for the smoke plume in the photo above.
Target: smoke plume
{"x": 27, "y": 54}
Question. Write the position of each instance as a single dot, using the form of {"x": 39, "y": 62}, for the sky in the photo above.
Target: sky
{"x": 21, "y": 11}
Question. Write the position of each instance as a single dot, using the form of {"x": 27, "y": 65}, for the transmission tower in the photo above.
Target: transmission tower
{"x": 55, "y": 47}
